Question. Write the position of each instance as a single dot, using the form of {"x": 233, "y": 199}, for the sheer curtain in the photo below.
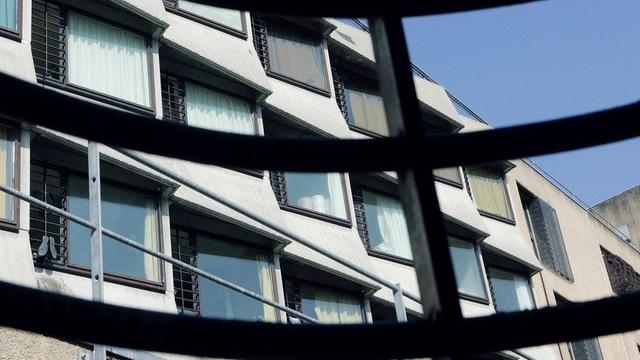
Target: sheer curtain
{"x": 8, "y": 14}
{"x": 216, "y": 111}
{"x": 489, "y": 191}
{"x": 6, "y": 176}
{"x": 337, "y": 206}
{"x": 393, "y": 227}
{"x": 523, "y": 292}
{"x": 151, "y": 241}
{"x": 228, "y": 17}
{"x": 107, "y": 59}
{"x": 367, "y": 108}
{"x": 333, "y": 308}
{"x": 296, "y": 56}
{"x": 266, "y": 285}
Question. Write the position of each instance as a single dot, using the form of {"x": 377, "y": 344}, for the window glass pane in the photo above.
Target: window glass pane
{"x": 511, "y": 291}
{"x": 386, "y": 225}
{"x": 8, "y": 14}
{"x": 240, "y": 265}
{"x": 107, "y": 59}
{"x": 129, "y": 213}
{"x": 451, "y": 174}
{"x": 489, "y": 191}
{"x": 365, "y": 106}
{"x": 330, "y": 306}
{"x": 466, "y": 268}
{"x": 6, "y": 174}
{"x": 217, "y": 111}
{"x": 228, "y": 17}
{"x": 296, "y": 55}
{"x": 319, "y": 192}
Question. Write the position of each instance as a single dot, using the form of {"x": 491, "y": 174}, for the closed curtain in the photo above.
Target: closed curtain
{"x": 296, "y": 56}
{"x": 151, "y": 241}
{"x": 227, "y": 17}
{"x": 393, "y": 227}
{"x": 266, "y": 285}
{"x": 367, "y": 109}
{"x": 334, "y": 308}
{"x": 107, "y": 59}
{"x": 8, "y": 14}
{"x": 216, "y": 111}
{"x": 6, "y": 174}
{"x": 452, "y": 174}
{"x": 489, "y": 191}
{"x": 523, "y": 292}
{"x": 337, "y": 206}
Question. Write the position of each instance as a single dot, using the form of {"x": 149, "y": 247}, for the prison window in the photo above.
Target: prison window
{"x": 228, "y": 20}
{"x": 467, "y": 269}
{"x": 623, "y": 278}
{"x": 489, "y": 191}
{"x": 326, "y": 304}
{"x": 511, "y": 291}
{"x": 545, "y": 230}
{"x": 9, "y": 14}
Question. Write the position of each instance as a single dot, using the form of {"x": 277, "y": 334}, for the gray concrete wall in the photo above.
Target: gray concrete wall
{"x": 623, "y": 210}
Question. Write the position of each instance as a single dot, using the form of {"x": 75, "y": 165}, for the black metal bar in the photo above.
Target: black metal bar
{"x": 359, "y": 8}
{"x": 429, "y": 244}
{"x": 143, "y": 132}
{"x": 43, "y": 312}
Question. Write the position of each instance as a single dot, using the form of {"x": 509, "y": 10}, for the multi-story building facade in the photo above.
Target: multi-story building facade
{"x": 517, "y": 240}
{"x": 623, "y": 212}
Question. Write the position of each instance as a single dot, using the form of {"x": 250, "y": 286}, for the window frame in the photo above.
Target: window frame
{"x": 505, "y": 188}
{"x": 183, "y": 80}
{"x": 361, "y": 222}
{"x": 17, "y": 33}
{"x": 483, "y": 272}
{"x": 459, "y": 185}
{"x": 13, "y": 136}
{"x": 117, "y": 278}
{"x": 94, "y": 94}
{"x": 489, "y": 265}
{"x": 283, "y": 200}
{"x": 263, "y": 54}
{"x": 174, "y": 7}
{"x": 194, "y": 233}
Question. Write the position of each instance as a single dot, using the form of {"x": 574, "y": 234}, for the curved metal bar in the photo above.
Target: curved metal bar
{"x": 360, "y": 8}
{"x": 43, "y": 312}
{"x": 119, "y": 128}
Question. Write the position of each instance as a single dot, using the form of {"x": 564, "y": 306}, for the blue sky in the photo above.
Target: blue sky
{"x": 539, "y": 61}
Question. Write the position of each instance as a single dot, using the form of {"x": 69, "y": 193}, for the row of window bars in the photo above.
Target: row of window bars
{"x": 260, "y": 41}
{"x": 186, "y": 284}
{"x": 173, "y": 99}
{"x": 48, "y": 43}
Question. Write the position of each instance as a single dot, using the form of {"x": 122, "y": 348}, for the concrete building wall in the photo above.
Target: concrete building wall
{"x": 623, "y": 212}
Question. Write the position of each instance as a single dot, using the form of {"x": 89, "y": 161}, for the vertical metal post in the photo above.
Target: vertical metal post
{"x": 398, "y": 303}
{"x": 95, "y": 215}
{"x": 429, "y": 244}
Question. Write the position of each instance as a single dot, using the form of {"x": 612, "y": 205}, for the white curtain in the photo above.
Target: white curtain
{"x": 228, "y": 17}
{"x": 296, "y": 56}
{"x": 333, "y": 308}
{"x": 393, "y": 227}
{"x": 337, "y": 206}
{"x": 489, "y": 191}
{"x": 151, "y": 241}
{"x": 216, "y": 111}
{"x": 266, "y": 285}
{"x": 108, "y": 59}
{"x": 523, "y": 292}
{"x": 6, "y": 174}
{"x": 367, "y": 111}
{"x": 8, "y": 14}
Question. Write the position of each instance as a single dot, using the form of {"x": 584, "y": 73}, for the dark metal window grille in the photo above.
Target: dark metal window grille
{"x": 279, "y": 186}
{"x": 173, "y": 4}
{"x": 50, "y": 186}
{"x": 548, "y": 237}
{"x": 623, "y": 278}
{"x": 293, "y": 298}
{"x": 49, "y": 41}
{"x": 186, "y": 287}
{"x": 341, "y": 97}
{"x": 173, "y": 99}
{"x": 587, "y": 349}
{"x": 361, "y": 220}
{"x": 260, "y": 40}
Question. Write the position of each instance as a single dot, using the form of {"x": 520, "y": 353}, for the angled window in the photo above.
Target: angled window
{"x": 8, "y": 164}
{"x": 511, "y": 291}
{"x": 9, "y": 16}
{"x": 91, "y": 56}
{"x": 467, "y": 269}
{"x": 246, "y": 266}
{"x": 623, "y": 278}
{"x": 544, "y": 229}
{"x": 291, "y": 53}
{"x": 228, "y": 20}
{"x": 319, "y": 193}
{"x": 449, "y": 175}
{"x": 489, "y": 191}
{"x": 381, "y": 223}
{"x": 360, "y": 102}
{"x": 326, "y": 304}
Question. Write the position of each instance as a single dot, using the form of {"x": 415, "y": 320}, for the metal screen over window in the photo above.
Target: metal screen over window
{"x": 187, "y": 290}
{"x": 173, "y": 103}
{"x": 49, "y": 41}
{"x": 624, "y": 279}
